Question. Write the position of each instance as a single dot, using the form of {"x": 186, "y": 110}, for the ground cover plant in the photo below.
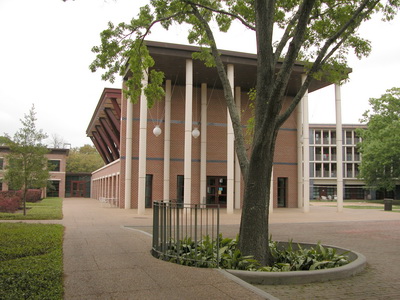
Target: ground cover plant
{"x": 31, "y": 265}
{"x": 47, "y": 209}
{"x": 294, "y": 257}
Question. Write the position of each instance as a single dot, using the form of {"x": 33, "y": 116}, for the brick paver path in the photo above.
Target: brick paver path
{"x": 379, "y": 241}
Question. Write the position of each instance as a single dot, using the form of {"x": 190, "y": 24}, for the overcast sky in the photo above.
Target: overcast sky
{"x": 46, "y": 50}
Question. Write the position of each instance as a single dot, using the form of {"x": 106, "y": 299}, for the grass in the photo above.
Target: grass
{"x": 47, "y": 209}
{"x": 31, "y": 265}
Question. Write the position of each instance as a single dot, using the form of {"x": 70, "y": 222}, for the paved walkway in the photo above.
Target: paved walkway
{"x": 105, "y": 260}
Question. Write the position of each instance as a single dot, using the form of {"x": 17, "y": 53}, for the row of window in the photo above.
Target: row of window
{"x": 53, "y": 164}
{"x": 329, "y": 170}
{"x": 328, "y": 137}
{"x": 329, "y": 154}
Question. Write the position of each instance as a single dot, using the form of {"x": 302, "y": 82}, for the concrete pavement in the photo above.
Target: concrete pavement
{"x": 107, "y": 255}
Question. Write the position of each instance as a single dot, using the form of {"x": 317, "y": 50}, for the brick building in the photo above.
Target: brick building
{"x": 57, "y": 160}
{"x": 182, "y": 148}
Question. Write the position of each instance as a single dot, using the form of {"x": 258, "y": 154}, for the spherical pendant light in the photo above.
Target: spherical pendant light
{"x": 157, "y": 130}
{"x": 195, "y": 133}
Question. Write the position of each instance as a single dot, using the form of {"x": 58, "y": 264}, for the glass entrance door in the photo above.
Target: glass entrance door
{"x": 216, "y": 190}
{"x": 78, "y": 188}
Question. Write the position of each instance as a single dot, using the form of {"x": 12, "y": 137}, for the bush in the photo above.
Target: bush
{"x": 33, "y": 195}
{"x": 11, "y": 194}
{"x": 9, "y": 204}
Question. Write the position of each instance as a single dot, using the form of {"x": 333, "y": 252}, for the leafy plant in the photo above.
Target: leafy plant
{"x": 227, "y": 255}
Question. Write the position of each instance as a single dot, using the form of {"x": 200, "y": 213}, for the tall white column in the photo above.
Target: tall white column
{"x": 271, "y": 192}
{"x": 230, "y": 151}
{"x": 128, "y": 154}
{"x": 167, "y": 139}
{"x": 339, "y": 149}
{"x": 306, "y": 153}
{"x": 142, "y": 148}
{"x": 188, "y": 133}
{"x": 238, "y": 172}
{"x": 299, "y": 115}
{"x": 203, "y": 144}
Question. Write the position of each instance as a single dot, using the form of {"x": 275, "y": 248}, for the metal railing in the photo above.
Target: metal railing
{"x": 179, "y": 230}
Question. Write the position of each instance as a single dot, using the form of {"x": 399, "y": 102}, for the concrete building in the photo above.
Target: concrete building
{"x": 183, "y": 147}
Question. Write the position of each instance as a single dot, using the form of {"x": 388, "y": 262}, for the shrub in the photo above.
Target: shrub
{"x": 11, "y": 194}
{"x": 33, "y": 195}
{"x": 9, "y": 204}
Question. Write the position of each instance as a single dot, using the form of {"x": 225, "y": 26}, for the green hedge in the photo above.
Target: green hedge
{"x": 31, "y": 265}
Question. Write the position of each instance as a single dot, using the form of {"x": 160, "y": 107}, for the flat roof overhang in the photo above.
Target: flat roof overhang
{"x": 171, "y": 58}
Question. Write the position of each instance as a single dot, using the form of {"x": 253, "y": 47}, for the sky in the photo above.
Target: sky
{"x": 45, "y": 53}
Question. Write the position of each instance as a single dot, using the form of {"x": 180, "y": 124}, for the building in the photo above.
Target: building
{"x": 324, "y": 161}
{"x": 57, "y": 162}
{"x": 182, "y": 148}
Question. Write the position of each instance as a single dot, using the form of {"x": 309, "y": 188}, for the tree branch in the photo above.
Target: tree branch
{"x": 239, "y": 137}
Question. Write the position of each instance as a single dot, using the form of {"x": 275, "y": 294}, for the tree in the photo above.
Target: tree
{"x": 380, "y": 142}
{"x": 319, "y": 32}
{"x": 27, "y": 162}
{"x": 56, "y": 141}
{"x": 84, "y": 159}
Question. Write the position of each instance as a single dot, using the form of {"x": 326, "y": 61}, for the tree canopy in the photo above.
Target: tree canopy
{"x": 318, "y": 32}
{"x": 380, "y": 141}
{"x": 27, "y": 162}
{"x": 84, "y": 159}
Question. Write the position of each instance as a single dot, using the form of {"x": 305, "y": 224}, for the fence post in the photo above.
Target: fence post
{"x": 155, "y": 226}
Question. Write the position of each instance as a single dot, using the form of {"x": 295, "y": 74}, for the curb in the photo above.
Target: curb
{"x": 357, "y": 265}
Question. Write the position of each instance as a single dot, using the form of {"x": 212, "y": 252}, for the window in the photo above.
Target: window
{"x": 54, "y": 165}
{"x": 149, "y": 191}
{"x": 349, "y": 154}
{"x": 1, "y": 163}
{"x": 326, "y": 170}
{"x": 326, "y": 153}
{"x": 180, "y": 188}
{"x": 333, "y": 170}
{"x": 318, "y": 168}
{"x": 349, "y": 137}
{"x": 317, "y": 137}
{"x": 333, "y": 137}
{"x": 318, "y": 151}
{"x": 53, "y": 189}
{"x": 333, "y": 153}
{"x": 326, "y": 136}
{"x": 282, "y": 191}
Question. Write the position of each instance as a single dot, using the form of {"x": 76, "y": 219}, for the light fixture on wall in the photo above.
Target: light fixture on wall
{"x": 157, "y": 130}
{"x": 195, "y": 133}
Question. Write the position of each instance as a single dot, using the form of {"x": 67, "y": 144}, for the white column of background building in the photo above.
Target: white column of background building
{"x": 167, "y": 139}
{"x": 306, "y": 152}
{"x": 128, "y": 153}
{"x": 230, "y": 150}
{"x": 203, "y": 145}
{"x": 188, "y": 133}
{"x": 142, "y": 147}
{"x": 339, "y": 149}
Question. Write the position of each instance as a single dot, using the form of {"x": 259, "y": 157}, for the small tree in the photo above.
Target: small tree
{"x": 380, "y": 144}
{"x": 26, "y": 163}
{"x": 84, "y": 159}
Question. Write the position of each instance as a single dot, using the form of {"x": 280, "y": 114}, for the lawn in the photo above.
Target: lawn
{"x": 31, "y": 265}
{"x": 47, "y": 209}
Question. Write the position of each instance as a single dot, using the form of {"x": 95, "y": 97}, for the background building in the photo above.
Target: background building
{"x": 57, "y": 163}
{"x": 183, "y": 147}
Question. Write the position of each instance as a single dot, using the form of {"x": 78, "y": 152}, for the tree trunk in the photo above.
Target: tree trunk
{"x": 254, "y": 231}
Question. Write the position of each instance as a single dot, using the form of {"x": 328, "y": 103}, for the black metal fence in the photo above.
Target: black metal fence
{"x": 181, "y": 230}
